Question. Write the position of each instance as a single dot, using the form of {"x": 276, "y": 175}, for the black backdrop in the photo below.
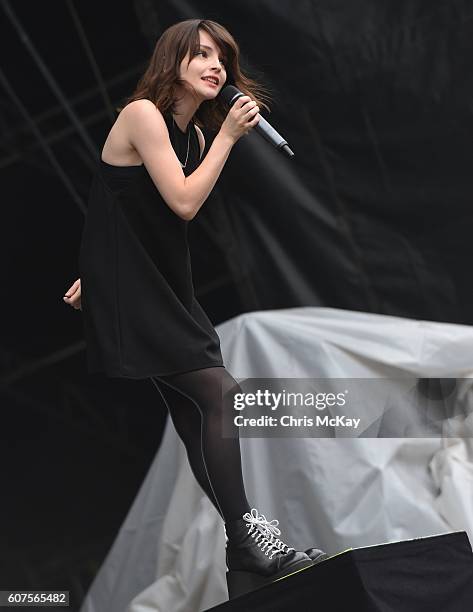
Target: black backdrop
{"x": 374, "y": 212}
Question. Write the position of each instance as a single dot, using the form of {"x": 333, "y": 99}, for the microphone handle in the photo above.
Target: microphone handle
{"x": 267, "y": 131}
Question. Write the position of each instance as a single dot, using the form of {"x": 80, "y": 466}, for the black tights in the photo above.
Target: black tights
{"x": 194, "y": 401}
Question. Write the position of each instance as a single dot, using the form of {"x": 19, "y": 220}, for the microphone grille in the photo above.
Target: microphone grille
{"x": 230, "y": 94}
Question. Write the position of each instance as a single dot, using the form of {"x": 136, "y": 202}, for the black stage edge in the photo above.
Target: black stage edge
{"x": 432, "y": 574}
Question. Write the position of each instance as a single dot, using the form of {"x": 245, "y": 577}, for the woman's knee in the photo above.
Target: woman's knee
{"x": 209, "y": 388}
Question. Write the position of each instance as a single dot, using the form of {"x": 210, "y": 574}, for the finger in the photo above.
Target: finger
{"x": 241, "y": 101}
{"x": 251, "y": 122}
{"x": 251, "y": 112}
{"x": 74, "y": 285}
{"x": 72, "y": 299}
{"x": 73, "y": 288}
{"x": 249, "y": 106}
{"x": 76, "y": 295}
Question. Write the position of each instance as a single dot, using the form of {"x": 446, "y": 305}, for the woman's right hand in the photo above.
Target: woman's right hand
{"x": 73, "y": 295}
{"x": 241, "y": 118}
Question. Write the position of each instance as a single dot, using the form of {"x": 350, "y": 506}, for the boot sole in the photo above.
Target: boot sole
{"x": 322, "y": 557}
{"x": 239, "y": 582}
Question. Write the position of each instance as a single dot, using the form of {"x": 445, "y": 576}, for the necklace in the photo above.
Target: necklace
{"x": 188, "y": 141}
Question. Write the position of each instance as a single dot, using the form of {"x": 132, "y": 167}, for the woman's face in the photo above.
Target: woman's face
{"x": 206, "y": 70}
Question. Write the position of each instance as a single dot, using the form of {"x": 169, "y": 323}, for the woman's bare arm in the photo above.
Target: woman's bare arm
{"x": 148, "y": 134}
{"x": 201, "y": 140}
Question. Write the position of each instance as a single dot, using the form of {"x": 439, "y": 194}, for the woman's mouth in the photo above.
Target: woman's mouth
{"x": 210, "y": 82}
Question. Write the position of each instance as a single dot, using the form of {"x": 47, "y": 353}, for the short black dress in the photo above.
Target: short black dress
{"x": 141, "y": 317}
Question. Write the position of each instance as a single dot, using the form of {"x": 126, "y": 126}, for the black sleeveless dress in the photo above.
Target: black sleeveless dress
{"x": 141, "y": 317}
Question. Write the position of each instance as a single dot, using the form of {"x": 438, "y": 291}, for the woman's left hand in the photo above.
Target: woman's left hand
{"x": 73, "y": 296}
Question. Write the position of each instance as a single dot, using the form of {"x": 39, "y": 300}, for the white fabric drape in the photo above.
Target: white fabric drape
{"x": 331, "y": 493}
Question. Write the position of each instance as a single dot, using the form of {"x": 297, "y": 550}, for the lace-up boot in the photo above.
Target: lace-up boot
{"x": 253, "y": 558}
{"x": 272, "y": 530}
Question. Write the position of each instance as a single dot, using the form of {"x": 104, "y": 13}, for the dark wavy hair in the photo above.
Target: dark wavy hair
{"x": 160, "y": 81}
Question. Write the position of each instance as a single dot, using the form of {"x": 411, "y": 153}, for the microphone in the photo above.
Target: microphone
{"x": 230, "y": 95}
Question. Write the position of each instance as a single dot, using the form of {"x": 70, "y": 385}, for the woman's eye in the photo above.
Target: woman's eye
{"x": 204, "y": 54}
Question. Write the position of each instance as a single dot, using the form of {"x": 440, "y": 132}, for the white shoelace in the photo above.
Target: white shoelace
{"x": 260, "y": 526}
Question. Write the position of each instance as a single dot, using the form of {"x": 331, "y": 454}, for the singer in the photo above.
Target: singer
{"x": 141, "y": 318}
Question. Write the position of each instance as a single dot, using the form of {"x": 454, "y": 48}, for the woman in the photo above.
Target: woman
{"x": 140, "y": 314}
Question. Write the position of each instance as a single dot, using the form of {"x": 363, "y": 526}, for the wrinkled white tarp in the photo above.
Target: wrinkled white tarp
{"x": 169, "y": 553}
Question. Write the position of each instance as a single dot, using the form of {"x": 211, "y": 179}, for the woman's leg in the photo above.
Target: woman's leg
{"x": 219, "y": 457}
{"x": 253, "y": 555}
{"x": 187, "y": 422}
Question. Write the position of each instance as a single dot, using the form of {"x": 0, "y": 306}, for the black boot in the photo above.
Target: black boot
{"x": 316, "y": 555}
{"x": 272, "y": 530}
{"x": 253, "y": 557}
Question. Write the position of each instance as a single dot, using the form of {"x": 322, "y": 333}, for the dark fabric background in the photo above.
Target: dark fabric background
{"x": 374, "y": 212}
